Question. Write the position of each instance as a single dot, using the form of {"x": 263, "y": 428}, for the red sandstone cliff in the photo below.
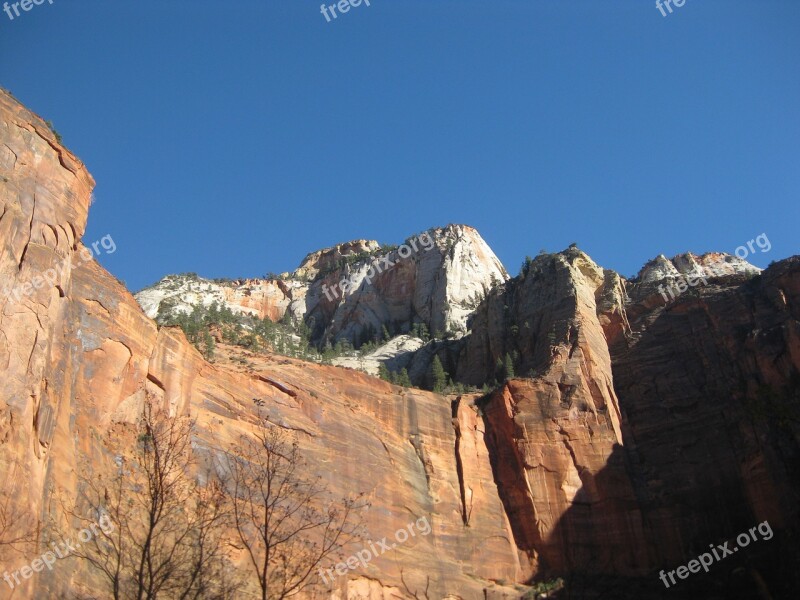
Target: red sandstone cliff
{"x": 634, "y": 435}
{"x": 79, "y": 357}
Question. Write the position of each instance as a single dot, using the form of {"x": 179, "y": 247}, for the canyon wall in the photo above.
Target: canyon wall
{"x": 79, "y": 356}
{"x": 635, "y": 432}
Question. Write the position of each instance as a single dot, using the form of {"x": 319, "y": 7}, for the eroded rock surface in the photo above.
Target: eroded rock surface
{"x": 354, "y": 290}
{"x": 78, "y": 357}
{"x": 635, "y": 432}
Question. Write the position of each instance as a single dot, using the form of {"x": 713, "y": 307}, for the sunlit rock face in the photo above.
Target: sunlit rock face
{"x": 79, "y": 355}
{"x": 439, "y": 284}
{"x": 553, "y": 435}
{"x": 261, "y": 298}
{"x": 711, "y": 264}
{"x": 354, "y": 290}
{"x": 634, "y": 432}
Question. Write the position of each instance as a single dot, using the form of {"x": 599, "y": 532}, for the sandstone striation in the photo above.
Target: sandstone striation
{"x": 634, "y": 432}
{"x": 79, "y": 358}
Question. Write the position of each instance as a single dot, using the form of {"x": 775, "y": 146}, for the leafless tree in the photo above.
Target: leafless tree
{"x": 415, "y": 593}
{"x": 166, "y": 534}
{"x": 17, "y": 529}
{"x": 286, "y": 522}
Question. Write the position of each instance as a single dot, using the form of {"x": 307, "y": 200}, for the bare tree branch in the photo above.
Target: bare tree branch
{"x": 167, "y": 538}
{"x": 287, "y": 524}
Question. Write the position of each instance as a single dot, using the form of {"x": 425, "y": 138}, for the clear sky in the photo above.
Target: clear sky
{"x": 231, "y": 138}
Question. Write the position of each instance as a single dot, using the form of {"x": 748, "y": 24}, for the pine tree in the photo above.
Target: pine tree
{"x": 327, "y": 353}
{"x": 383, "y": 372}
{"x": 439, "y": 375}
{"x": 526, "y": 266}
{"x": 208, "y": 344}
{"x": 403, "y": 379}
{"x": 508, "y": 365}
{"x": 423, "y": 332}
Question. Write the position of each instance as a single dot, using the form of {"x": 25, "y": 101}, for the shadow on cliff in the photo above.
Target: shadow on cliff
{"x": 710, "y": 394}
{"x": 611, "y": 543}
{"x": 598, "y": 558}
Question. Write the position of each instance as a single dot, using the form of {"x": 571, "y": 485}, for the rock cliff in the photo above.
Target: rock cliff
{"x": 354, "y": 290}
{"x": 634, "y": 433}
{"x": 79, "y": 356}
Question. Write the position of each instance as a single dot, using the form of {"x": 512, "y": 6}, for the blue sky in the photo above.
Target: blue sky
{"x": 231, "y": 138}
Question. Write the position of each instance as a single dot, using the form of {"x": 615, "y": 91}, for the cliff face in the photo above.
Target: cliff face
{"x": 438, "y": 285}
{"x": 645, "y": 429}
{"x": 551, "y": 434}
{"x": 354, "y": 290}
{"x": 79, "y": 355}
{"x": 709, "y": 390}
{"x": 45, "y": 195}
{"x": 262, "y": 298}
{"x": 636, "y": 432}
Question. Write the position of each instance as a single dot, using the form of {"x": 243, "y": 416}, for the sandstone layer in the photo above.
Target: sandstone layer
{"x": 79, "y": 356}
{"x": 635, "y": 432}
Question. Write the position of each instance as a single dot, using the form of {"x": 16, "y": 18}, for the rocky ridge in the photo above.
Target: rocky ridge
{"x": 437, "y": 285}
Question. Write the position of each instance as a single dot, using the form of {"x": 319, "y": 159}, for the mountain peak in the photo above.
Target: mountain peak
{"x": 709, "y": 264}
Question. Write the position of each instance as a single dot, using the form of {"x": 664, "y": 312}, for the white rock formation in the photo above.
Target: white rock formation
{"x": 256, "y": 297}
{"x": 392, "y": 351}
{"x": 438, "y": 280}
{"x": 711, "y": 264}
